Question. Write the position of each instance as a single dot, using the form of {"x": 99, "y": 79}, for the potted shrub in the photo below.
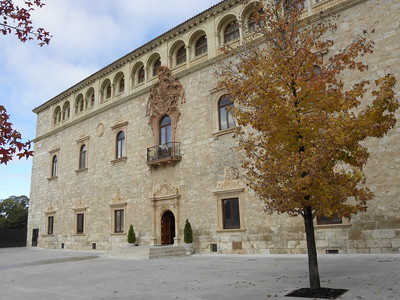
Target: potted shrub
{"x": 131, "y": 236}
{"x": 188, "y": 238}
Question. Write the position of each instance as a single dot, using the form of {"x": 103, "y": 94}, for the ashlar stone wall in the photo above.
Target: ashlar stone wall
{"x": 194, "y": 187}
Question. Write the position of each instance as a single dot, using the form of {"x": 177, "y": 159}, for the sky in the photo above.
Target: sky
{"x": 87, "y": 36}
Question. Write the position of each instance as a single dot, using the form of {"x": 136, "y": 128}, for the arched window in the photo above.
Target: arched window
{"x": 108, "y": 91}
{"x": 255, "y": 20}
{"x": 120, "y": 145}
{"x": 54, "y": 166}
{"x": 201, "y": 45}
{"x": 156, "y": 65}
{"x": 82, "y": 157}
{"x": 57, "y": 115}
{"x": 121, "y": 84}
{"x": 231, "y": 31}
{"x": 225, "y": 115}
{"x": 79, "y": 104}
{"x": 66, "y": 111}
{"x": 165, "y": 130}
{"x": 140, "y": 77}
{"x": 92, "y": 100}
{"x": 181, "y": 55}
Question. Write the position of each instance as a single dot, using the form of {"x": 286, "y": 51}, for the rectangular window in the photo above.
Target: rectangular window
{"x": 79, "y": 223}
{"x": 231, "y": 216}
{"x": 50, "y": 224}
{"x": 119, "y": 221}
{"x": 334, "y": 219}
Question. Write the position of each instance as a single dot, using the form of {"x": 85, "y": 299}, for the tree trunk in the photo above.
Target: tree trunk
{"x": 311, "y": 249}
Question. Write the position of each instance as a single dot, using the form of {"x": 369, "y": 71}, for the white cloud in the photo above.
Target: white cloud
{"x": 87, "y": 35}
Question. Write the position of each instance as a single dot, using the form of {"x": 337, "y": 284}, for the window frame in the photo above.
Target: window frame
{"x": 231, "y": 32}
{"x": 180, "y": 56}
{"x": 119, "y": 220}
{"x": 229, "y": 121}
{"x": 50, "y": 225}
{"x": 230, "y": 192}
{"x": 66, "y": 111}
{"x": 57, "y": 115}
{"x": 121, "y": 84}
{"x": 234, "y": 212}
{"x": 120, "y": 145}
{"x": 54, "y": 165}
{"x": 82, "y": 156}
{"x": 141, "y": 75}
{"x": 200, "y": 49}
{"x": 80, "y": 223}
{"x": 332, "y": 220}
{"x": 155, "y": 66}
{"x": 165, "y": 130}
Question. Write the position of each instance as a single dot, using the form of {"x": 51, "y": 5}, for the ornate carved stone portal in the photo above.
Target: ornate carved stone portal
{"x": 165, "y": 96}
{"x": 165, "y": 198}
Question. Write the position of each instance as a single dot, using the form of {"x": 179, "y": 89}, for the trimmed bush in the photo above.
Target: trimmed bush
{"x": 188, "y": 233}
{"x": 131, "y": 235}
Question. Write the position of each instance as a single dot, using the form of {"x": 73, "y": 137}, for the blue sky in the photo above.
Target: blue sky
{"x": 87, "y": 36}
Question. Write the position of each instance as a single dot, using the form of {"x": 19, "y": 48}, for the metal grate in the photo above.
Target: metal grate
{"x": 332, "y": 251}
{"x": 213, "y": 248}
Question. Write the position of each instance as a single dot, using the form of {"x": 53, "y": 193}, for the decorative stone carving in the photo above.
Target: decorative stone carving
{"x": 230, "y": 181}
{"x": 100, "y": 129}
{"x": 79, "y": 206}
{"x": 165, "y": 94}
{"x": 118, "y": 198}
{"x": 166, "y": 190}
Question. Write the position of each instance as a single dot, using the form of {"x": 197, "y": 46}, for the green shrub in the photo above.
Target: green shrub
{"x": 188, "y": 233}
{"x": 131, "y": 235}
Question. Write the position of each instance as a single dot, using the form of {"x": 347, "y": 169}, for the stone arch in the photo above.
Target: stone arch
{"x": 119, "y": 82}
{"x": 106, "y": 90}
{"x": 223, "y": 23}
{"x": 165, "y": 198}
{"x": 193, "y": 39}
{"x": 247, "y": 11}
{"x": 153, "y": 59}
{"x": 90, "y": 98}
{"x": 174, "y": 51}
{"x": 137, "y": 77}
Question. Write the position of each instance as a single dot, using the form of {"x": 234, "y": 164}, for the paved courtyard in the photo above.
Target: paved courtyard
{"x": 31, "y": 273}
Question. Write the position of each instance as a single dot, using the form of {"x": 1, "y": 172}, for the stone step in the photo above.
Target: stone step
{"x": 147, "y": 252}
{"x": 166, "y": 251}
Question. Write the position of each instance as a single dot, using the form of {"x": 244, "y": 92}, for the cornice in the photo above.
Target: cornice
{"x": 142, "y": 50}
{"x": 180, "y": 29}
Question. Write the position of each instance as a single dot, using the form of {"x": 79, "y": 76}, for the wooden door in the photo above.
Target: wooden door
{"x": 167, "y": 228}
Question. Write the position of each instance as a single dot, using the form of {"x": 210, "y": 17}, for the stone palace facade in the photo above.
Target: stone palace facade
{"x": 148, "y": 141}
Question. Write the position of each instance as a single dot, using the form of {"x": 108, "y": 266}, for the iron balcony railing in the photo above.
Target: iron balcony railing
{"x": 166, "y": 152}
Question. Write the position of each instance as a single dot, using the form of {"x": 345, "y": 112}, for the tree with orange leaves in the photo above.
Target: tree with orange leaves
{"x": 300, "y": 128}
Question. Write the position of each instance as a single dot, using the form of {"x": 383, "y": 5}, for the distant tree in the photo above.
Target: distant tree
{"x": 14, "y": 212}
{"x": 300, "y": 128}
{"x": 17, "y": 19}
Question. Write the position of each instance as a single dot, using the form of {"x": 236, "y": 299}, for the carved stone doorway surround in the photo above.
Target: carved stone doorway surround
{"x": 165, "y": 198}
